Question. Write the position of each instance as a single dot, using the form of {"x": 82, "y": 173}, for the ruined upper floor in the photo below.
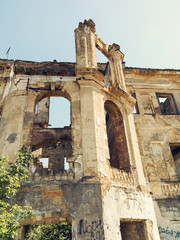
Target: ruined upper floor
{"x": 150, "y": 96}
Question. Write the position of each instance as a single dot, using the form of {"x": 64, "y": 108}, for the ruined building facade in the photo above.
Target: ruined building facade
{"x": 122, "y": 145}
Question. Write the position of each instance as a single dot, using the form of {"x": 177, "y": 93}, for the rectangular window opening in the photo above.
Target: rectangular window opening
{"x": 66, "y": 164}
{"x": 135, "y": 109}
{"x": 132, "y": 230}
{"x": 45, "y": 162}
{"x": 36, "y": 109}
{"x": 175, "y": 151}
{"x": 167, "y": 104}
{"x": 59, "y": 112}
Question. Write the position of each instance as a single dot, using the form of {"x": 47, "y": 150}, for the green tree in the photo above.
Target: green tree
{"x": 60, "y": 231}
{"x": 10, "y": 177}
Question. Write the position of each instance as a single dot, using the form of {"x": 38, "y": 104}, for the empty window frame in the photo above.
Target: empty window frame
{"x": 51, "y": 115}
{"x": 66, "y": 164}
{"x": 135, "y": 109}
{"x": 175, "y": 150}
{"x": 59, "y": 112}
{"x": 53, "y": 112}
{"x": 167, "y": 104}
{"x": 132, "y": 230}
{"x": 45, "y": 162}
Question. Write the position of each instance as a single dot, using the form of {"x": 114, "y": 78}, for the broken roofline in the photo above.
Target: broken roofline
{"x": 22, "y": 67}
{"x": 69, "y": 68}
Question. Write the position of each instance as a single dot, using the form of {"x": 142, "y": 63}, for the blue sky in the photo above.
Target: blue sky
{"x": 148, "y": 31}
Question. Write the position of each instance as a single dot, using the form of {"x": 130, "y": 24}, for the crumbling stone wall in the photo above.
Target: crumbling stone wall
{"x": 158, "y": 132}
{"x": 100, "y": 199}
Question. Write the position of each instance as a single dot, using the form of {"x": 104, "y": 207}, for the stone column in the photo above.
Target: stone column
{"x": 92, "y": 128}
{"x": 85, "y": 45}
{"x": 116, "y": 58}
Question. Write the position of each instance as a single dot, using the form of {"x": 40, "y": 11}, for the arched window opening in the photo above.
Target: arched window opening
{"x": 118, "y": 151}
{"x": 52, "y": 134}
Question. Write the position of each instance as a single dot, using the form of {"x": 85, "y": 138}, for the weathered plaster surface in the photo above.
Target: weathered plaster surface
{"x": 120, "y": 163}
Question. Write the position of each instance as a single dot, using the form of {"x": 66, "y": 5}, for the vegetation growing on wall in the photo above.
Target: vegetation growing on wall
{"x": 60, "y": 231}
{"x": 10, "y": 176}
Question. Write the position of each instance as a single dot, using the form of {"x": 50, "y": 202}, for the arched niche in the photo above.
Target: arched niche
{"x": 118, "y": 150}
